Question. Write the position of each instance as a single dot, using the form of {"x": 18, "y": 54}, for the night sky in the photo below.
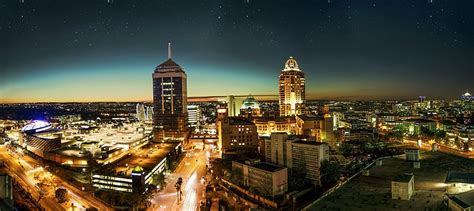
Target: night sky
{"x": 99, "y": 50}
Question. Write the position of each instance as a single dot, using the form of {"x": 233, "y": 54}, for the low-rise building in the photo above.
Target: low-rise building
{"x": 459, "y": 182}
{"x": 265, "y": 178}
{"x": 461, "y": 202}
{"x": 403, "y": 187}
{"x": 135, "y": 172}
{"x": 412, "y": 154}
{"x": 301, "y": 157}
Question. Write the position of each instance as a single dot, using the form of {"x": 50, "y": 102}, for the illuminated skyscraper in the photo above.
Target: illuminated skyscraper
{"x": 291, "y": 89}
{"x": 194, "y": 116}
{"x": 169, "y": 101}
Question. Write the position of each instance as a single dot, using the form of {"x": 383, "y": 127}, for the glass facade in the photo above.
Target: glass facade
{"x": 169, "y": 101}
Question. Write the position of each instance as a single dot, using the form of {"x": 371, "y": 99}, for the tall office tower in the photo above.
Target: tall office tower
{"x": 291, "y": 89}
{"x": 148, "y": 113}
{"x": 194, "y": 116}
{"x": 141, "y": 112}
{"x": 169, "y": 101}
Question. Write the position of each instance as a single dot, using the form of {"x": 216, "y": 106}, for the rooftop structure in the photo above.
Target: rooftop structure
{"x": 460, "y": 177}
{"x": 36, "y": 126}
{"x": 462, "y": 201}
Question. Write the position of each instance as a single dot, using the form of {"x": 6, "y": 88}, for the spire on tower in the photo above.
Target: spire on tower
{"x": 169, "y": 50}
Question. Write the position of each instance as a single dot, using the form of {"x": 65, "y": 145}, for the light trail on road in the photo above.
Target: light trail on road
{"x": 191, "y": 195}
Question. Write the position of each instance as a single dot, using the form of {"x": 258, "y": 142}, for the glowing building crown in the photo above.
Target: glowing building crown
{"x": 291, "y": 64}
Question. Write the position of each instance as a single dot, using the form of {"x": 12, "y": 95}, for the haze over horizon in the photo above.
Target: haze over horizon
{"x": 90, "y": 51}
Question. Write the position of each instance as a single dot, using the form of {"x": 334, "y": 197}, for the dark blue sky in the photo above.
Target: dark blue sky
{"x": 94, "y": 50}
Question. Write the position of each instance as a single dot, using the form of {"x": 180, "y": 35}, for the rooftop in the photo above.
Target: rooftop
{"x": 374, "y": 192}
{"x": 262, "y": 165}
{"x": 465, "y": 200}
{"x": 146, "y": 158}
{"x": 239, "y": 121}
{"x": 309, "y": 118}
{"x": 315, "y": 143}
{"x": 403, "y": 178}
{"x": 250, "y": 102}
{"x": 460, "y": 177}
{"x": 169, "y": 66}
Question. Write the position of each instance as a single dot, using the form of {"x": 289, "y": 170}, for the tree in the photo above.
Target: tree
{"x": 298, "y": 180}
{"x": 61, "y": 195}
{"x": 158, "y": 179}
{"x": 440, "y": 134}
{"x": 123, "y": 198}
{"x": 168, "y": 162}
{"x": 345, "y": 148}
{"x": 426, "y": 132}
{"x": 330, "y": 172}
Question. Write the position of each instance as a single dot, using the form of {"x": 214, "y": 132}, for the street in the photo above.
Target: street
{"x": 19, "y": 168}
{"x": 192, "y": 168}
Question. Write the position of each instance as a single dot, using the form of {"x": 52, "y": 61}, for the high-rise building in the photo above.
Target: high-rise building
{"x": 194, "y": 116}
{"x": 169, "y": 101}
{"x": 291, "y": 89}
{"x": 140, "y": 112}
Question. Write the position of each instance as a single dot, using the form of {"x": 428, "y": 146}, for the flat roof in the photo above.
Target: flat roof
{"x": 146, "y": 157}
{"x": 316, "y": 143}
{"x": 267, "y": 167}
{"x": 373, "y": 192}
{"x": 403, "y": 178}
{"x": 465, "y": 200}
{"x": 239, "y": 121}
{"x": 262, "y": 165}
{"x": 459, "y": 177}
{"x": 72, "y": 152}
{"x": 125, "y": 135}
{"x": 309, "y": 118}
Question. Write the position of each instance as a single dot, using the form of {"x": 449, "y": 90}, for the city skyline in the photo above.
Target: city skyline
{"x": 348, "y": 50}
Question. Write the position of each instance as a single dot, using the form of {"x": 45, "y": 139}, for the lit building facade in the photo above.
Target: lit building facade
{"x": 144, "y": 113}
{"x": 250, "y": 107}
{"x": 269, "y": 125}
{"x": 169, "y": 101}
{"x": 403, "y": 187}
{"x": 194, "y": 116}
{"x": 237, "y": 134}
{"x": 291, "y": 89}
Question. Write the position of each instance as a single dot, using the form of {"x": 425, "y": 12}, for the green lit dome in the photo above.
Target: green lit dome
{"x": 250, "y": 102}
{"x": 137, "y": 169}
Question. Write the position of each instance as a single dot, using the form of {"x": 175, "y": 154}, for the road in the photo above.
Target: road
{"x": 192, "y": 168}
{"x": 19, "y": 168}
{"x": 443, "y": 148}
